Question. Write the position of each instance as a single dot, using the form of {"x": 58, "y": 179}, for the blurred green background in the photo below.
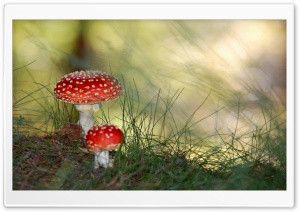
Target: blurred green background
{"x": 239, "y": 64}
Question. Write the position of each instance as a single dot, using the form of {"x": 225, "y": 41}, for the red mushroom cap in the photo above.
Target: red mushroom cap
{"x": 87, "y": 87}
{"x": 103, "y": 137}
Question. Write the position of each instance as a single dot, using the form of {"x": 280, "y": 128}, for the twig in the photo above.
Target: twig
{"x": 58, "y": 150}
{"x": 26, "y": 179}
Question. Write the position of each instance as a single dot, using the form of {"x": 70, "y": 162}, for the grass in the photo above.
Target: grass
{"x": 158, "y": 153}
{"x": 166, "y": 147}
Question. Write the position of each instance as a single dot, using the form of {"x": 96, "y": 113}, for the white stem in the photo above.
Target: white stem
{"x": 86, "y": 115}
{"x": 86, "y": 120}
{"x": 102, "y": 159}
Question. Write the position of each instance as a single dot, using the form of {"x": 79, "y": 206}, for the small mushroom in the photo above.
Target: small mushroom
{"x": 86, "y": 89}
{"x": 101, "y": 139}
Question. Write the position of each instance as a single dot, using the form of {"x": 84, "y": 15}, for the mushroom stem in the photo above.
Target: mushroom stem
{"x": 86, "y": 115}
{"x": 101, "y": 159}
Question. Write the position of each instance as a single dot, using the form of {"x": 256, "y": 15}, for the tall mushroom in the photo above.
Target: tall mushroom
{"x": 85, "y": 89}
{"x": 101, "y": 139}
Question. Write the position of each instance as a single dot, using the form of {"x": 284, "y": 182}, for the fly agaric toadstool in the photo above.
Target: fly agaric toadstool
{"x": 101, "y": 139}
{"x": 85, "y": 89}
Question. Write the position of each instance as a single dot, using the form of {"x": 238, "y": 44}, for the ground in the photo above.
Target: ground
{"x": 60, "y": 161}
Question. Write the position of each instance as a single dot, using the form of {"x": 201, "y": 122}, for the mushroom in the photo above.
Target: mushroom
{"x": 101, "y": 139}
{"x": 85, "y": 89}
